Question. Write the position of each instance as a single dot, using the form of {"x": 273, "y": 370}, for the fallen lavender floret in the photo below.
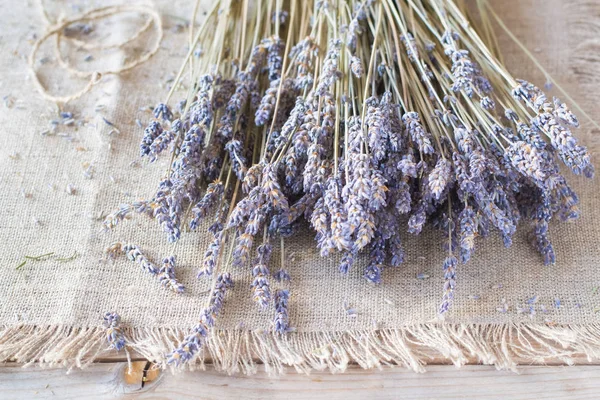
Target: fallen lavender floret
{"x": 114, "y": 335}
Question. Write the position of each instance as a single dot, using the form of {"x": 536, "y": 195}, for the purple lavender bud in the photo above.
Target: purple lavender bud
{"x": 279, "y": 17}
{"x": 417, "y": 133}
{"x": 377, "y": 255}
{"x": 160, "y": 143}
{"x": 440, "y": 177}
{"x": 487, "y": 103}
{"x": 340, "y": 231}
{"x": 241, "y": 252}
{"x": 264, "y": 111}
{"x": 449, "y": 277}
{"x": 236, "y": 156}
{"x": 192, "y": 343}
{"x": 417, "y": 219}
{"x": 222, "y": 93}
{"x": 303, "y": 54}
{"x": 167, "y": 277}
{"x": 113, "y": 333}
{"x": 347, "y": 261}
{"x": 281, "y": 321}
{"x": 356, "y": 66}
{"x": 272, "y": 189}
{"x": 162, "y": 110}
{"x": 396, "y": 250}
{"x": 260, "y": 284}
{"x": 468, "y": 231}
{"x": 527, "y": 160}
{"x": 282, "y": 275}
{"x": 134, "y": 254}
{"x": 564, "y": 114}
{"x": 210, "y": 257}
{"x": 411, "y": 46}
{"x": 407, "y": 165}
{"x": 201, "y": 111}
{"x": 377, "y": 120}
{"x": 330, "y": 72}
{"x": 403, "y": 198}
{"x": 152, "y": 131}
{"x": 274, "y": 59}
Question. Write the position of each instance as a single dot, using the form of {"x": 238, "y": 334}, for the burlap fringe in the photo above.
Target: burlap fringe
{"x": 242, "y": 351}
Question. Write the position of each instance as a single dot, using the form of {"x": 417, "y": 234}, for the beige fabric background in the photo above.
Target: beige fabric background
{"x": 76, "y": 294}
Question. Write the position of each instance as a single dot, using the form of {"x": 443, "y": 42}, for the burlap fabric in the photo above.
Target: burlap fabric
{"x": 51, "y": 310}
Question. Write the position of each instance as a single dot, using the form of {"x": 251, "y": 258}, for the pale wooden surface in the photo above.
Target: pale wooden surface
{"x": 110, "y": 381}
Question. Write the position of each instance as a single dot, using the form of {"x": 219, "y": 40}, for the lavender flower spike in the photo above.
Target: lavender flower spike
{"x": 114, "y": 335}
{"x": 439, "y": 177}
{"x": 192, "y": 343}
{"x": 282, "y": 319}
{"x": 449, "y": 276}
{"x": 135, "y": 254}
{"x": 167, "y": 275}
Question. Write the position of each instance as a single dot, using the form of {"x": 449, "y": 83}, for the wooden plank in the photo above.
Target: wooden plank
{"x": 109, "y": 381}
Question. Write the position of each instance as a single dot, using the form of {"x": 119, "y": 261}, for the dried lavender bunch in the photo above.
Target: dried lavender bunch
{"x": 362, "y": 126}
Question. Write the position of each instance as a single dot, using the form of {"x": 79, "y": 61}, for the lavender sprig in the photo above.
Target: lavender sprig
{"x": 191, "y": 344}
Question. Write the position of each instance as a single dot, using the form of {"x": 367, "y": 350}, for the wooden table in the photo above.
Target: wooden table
{"x": 111, "y": 379}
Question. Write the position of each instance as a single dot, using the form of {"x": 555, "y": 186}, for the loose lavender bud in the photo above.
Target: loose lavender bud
{"x": 134, "y": 254}
{"x": 192, "y": 343}
{"x": 449, "y": 277}
{"x": 281, "y": 321}
{"x": 113, "y": 333}
{"x": 347, "y": 262}
{"x": 167, "y": 277}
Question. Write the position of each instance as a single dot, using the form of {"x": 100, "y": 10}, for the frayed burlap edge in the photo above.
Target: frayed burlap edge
{"x": 242, "y": 351}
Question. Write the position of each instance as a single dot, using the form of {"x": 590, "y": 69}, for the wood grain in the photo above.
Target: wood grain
{"x": 111, "y": 381}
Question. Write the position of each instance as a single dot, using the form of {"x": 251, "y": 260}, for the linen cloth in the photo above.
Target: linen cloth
{"x": 43, "y": 300}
